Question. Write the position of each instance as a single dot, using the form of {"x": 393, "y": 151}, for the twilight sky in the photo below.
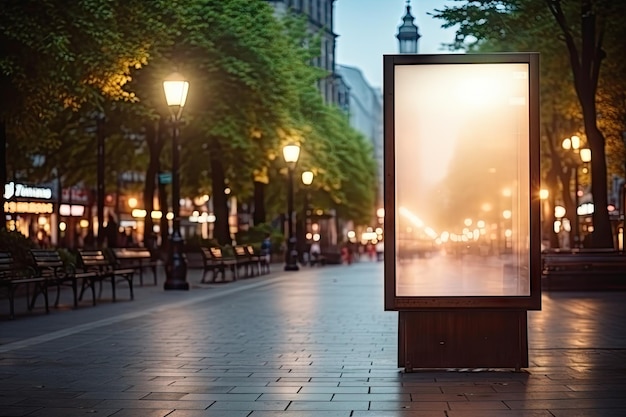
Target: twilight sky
{"x": 367, "y": 30}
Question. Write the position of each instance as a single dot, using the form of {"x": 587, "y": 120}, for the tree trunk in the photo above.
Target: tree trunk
{"x": 3, "y": 171}
{"x": 586, "y": 65}
{"x": 602, "y": 236}
{"x": 154, "y": 149}
{"x": 259, "y": 203}
{"x": 220, "y": 207}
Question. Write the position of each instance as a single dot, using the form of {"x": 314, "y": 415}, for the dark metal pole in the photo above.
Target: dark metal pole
{"x": 576, "y": 243}
{"x": 100, "y": 191}
{"x": 177, "y": 261}
{"x": 292, "y": 254}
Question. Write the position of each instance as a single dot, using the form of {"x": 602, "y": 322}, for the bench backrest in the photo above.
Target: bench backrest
{"x": 47, "y": 261}
{"x": 216, "y": 253}
{"x": 250, "y": 250}
{"x": 241, "y": 251}
{"x": 6, "y": 265}
{"x": 92, "y": 259}
{"x": 131, "y": 253}
{"x": 206, "y": 253}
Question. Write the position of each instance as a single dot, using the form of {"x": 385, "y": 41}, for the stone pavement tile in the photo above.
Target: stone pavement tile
{"x": 18, "y": 411}
{"x": 308, "y": 389}
{"x": 60, "y": 402}
{"x": 406, "y": 406}
{"x": 221, "y": 397}
{"x": 303, "y": 383}
{"x": 503, "y": 413}
{"x": 266, "y": 390}
{"x": 438, "y": 397}
{"x": 295, "y": 397}
{"x": 201, "y": 413}
{"x": 249, "y": 405}
{"x": 153, "y": 404}
{"x": 400, "y": 413}
{"x": 610, "y": 392}
{"x": 73, "y": 412}
{"x": 477, "y": 405}
{"x": 596, "y": 412}
{"x": 571, "y": 403}
{"x": 130, "y": 412}
{"x": 372, "y": 397}
{"x": 327, "y": 406}
{"x": 411, "y": 389}
{"x": 302, "y": 413}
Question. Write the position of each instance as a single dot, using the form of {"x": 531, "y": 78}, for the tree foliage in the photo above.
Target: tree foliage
{"x": 584, "y": 35}
{"x": 252, "y": 90}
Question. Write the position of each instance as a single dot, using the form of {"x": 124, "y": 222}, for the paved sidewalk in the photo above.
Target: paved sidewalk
{"x": 310, "y": 343}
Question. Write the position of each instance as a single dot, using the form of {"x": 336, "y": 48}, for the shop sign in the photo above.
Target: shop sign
{"x": 75, "y": 195}
{"x": 27, "y": 207}
{"x": 71, "y": 210}
{"x": 18, "y": 190}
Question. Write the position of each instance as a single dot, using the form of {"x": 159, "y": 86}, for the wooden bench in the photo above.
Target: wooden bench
{"x": 216, "y": 263}
{"x": 48, "y": 264}
{"x": 262, "y": 261}
{"x": 11, "y": 279}
{"x": 95, "y": 261}
{"x": 249, "y": 262}
{"x": 583, "y": 269}
{"x": 136, "y": 258}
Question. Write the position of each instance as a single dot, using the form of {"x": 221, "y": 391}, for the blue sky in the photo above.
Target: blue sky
{"x": 367, "y": 30}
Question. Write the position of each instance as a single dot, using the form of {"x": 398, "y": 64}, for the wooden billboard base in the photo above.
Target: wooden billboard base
{"x": 465, "y": 338}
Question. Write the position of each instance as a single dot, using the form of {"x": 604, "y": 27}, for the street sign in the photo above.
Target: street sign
{"x": 165, "y": 178}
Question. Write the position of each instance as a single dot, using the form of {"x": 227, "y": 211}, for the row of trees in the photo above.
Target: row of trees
{"x": 583, "y": 88}
{"x": 252, "y": 90}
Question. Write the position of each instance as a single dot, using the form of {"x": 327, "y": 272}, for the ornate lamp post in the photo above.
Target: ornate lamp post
{"x": 573, "y": 144}
{"x": 176, "y": 94}
{"x": 291, "y": 154}
{"x": 307, "y": 180}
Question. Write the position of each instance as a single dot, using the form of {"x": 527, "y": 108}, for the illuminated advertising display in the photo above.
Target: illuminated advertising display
{"x": 462, "y": 181}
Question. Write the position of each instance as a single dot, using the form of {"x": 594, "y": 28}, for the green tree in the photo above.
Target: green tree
{"x": 582, "y": 28}
{"x": 54, "y": 57}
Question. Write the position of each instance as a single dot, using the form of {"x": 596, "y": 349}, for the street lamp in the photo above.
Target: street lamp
{"x": 573, "y": 144}
{"x": 291, "y": 153}
{"x": 176, "y": 89}
{"x": 307, "y": 180}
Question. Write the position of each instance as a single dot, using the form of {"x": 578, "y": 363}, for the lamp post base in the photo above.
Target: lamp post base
{"x": 176, "y": 269}
{"x": 292, "y": 267}
{"x": 291, "y": 261}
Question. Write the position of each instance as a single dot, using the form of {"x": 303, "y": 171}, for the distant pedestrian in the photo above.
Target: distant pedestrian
{"x": 266, "y": 248}
{"x": 110, "y": 231}
{"x": 315, "y": 253}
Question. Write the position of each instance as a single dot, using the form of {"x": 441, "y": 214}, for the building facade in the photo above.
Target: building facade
{"x": 320, "y": 17}
{"x": 365, "y": 109}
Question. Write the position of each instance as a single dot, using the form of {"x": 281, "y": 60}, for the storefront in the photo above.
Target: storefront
{"x": 30, "y": 209}
{"x": 73, "y": 217}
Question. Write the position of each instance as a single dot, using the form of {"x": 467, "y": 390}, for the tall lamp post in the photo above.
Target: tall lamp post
{"x": 176, "y": 89}
{"x": 291, "y": 154}
{"x": 573, "y": 144}
{"x": 307, "y": 180}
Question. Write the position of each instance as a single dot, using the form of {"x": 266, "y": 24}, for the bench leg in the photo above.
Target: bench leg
{"x": 129, "y": 279}
{"x": 11, "y": 302}
{"x": 113, "y": 287}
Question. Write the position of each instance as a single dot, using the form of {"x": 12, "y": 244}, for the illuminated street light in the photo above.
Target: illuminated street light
{"x": 176, "y": 89}
{"x": 307, "y": 180}
{"x": 291, "y": 153}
